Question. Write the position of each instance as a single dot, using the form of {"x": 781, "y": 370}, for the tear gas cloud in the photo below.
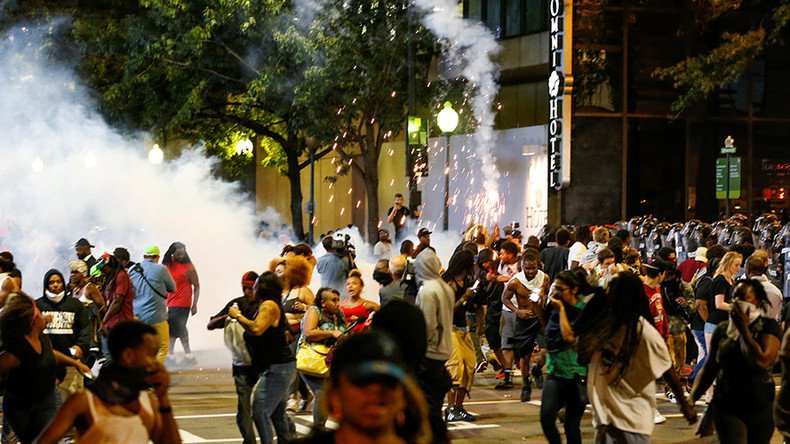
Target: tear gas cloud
{"x": 92, "y": 181}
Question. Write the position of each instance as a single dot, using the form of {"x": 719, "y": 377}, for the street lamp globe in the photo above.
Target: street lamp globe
{"x": 156, "y": 155}
{"x": 729, "y": 142}
{"x": 447, "y": 118}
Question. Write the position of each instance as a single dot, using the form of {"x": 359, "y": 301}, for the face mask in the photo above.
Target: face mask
{"x": 119, "y": 385}
{"x": 54, "y": 297}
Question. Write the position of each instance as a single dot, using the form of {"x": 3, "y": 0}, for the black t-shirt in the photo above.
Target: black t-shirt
{"x": 718, "y": 286}
{"x": 271, "y": 347}
{"x": 34, "y": 378}
{"x": 555, "y": 259}
{"x": 399, "y": 221}
{"x": 702, "y": 293}
{"x": 248, "y": 309}
{"x": 740, "y": 386}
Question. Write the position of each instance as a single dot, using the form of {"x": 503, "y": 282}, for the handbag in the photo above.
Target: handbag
{"x": 311, "y": 359}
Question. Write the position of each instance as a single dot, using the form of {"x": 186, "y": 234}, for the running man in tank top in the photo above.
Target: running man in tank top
{"x": 117, "y": 407}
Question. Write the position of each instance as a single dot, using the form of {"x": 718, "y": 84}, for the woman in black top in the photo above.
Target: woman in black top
{"x": 31, "y": 398}
{"x": 719, "y": 303}
{"x": 271, "y": 357}
{"x": 743, "y": 351}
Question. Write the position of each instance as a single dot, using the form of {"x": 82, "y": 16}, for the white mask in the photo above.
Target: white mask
{"x": 54, "y": 297}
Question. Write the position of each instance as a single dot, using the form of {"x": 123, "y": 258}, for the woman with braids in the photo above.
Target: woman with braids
{"x": 31, "y": 397}
{"x": 626, "y": 355}
{"x": 742, "y": 354}
{"x": 118, "y": 293}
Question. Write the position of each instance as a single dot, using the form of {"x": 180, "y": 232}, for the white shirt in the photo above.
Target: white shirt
{"x": 630, "y": 403}
{"x": 383, "y": 250}
{"x": 774, "y": 297}
{"x": 575, "y": 253}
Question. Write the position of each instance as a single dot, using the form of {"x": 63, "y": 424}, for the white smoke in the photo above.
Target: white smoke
{"x": 92, "y": 181}
{"x": 470, "y": 41}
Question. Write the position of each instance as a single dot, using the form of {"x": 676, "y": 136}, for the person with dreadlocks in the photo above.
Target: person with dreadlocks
{"x": 183, "y": 301}
{"x": 118, "y": 292}
{"x": 626, "y": 355}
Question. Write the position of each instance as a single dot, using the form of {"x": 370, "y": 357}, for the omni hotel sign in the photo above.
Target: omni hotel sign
{"x": 560, "y": 88}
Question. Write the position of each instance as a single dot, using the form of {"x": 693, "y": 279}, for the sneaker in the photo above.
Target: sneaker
{"x": 291, "y": 405}
{"x": 481, "y": 367}
{"x": 189, "y": 360}
{"x": 170, "y": 361}
{"x": 537, "y": 376}
{"x": 658, "y": 418}
{"x": 526, "y": 393}
{"x": 452, "y": 415}
{"x": 671, "y": 397}
{"x": 304, "y": 402}
{"x": 466, "y": 416}
{"x": 500, "y": 375}
{"x": 507, "y": 384}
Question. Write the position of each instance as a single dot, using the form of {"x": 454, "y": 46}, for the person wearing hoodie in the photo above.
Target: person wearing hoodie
{"x": 435, "y": 299}
{"x": 69, "y": 329}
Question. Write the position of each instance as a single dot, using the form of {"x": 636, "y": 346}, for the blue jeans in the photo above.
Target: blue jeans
{"x": 245, "y": 378}
{"x": 27, "y": 419}
{"x": 317, "y": 387}
{"x": 268, "y": 402}
{"x": 699, "y": 336}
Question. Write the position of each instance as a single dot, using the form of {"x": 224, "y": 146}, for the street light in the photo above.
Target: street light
{"x": 156, "y": 155}
{"x": 448, "y": 121}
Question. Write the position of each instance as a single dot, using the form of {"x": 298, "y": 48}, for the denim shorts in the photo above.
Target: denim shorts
{"x": 709, "y": 328}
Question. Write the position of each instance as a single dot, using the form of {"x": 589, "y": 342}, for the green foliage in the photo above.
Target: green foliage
{"x": 699, "y": 76}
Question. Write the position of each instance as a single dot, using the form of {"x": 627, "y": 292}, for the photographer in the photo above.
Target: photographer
{"x": 335, "y": 265}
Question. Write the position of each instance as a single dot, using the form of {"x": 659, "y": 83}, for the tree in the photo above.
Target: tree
{"x": 741, "y": 31}
{"x": 358, "y": 84}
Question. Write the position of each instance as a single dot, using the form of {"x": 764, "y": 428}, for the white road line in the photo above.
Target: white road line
{"x": 216, "y": 415}
{"x": 468, "y": 425}
{"x": 187, "y": 437}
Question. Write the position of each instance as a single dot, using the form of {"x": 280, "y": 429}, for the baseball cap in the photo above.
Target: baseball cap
{"x": 79, "y": 266}
{"x": 368, "y": 357}
{"x": 701, "y": 254}
{"x": 151, "y": 250}
{"x": 249, "y": 278}
{"x": 83, "y": 243}
{"x": 423, "y": 232}
{"x": 485, "y": 255}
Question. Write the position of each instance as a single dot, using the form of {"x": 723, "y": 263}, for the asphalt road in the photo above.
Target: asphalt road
{"x": 204, "y": 402}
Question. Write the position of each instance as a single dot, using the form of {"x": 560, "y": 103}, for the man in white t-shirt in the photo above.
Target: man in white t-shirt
{"x": 579, "y": 247}
{"x": 383, "y": 248}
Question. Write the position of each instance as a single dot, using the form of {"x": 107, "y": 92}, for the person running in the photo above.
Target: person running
{"x": 272, "y": 358}
{"x": 118, "y": 406}
{"x": 244, "y": 375}
{"x": 508, "y": 267}
{"x": 182, "y": 302}
{"x": 529, "y": 288}
{"x": 152, "y": 282}
{"x": 68, "y": 329}
{"x": 355, "y": 308}
{"x": 30, "y": 365}
{"x": 626, "y": 355}
{"x": 565, "y": 384}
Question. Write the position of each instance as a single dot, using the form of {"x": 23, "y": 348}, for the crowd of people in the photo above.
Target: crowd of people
{"x": 583, "y": 313}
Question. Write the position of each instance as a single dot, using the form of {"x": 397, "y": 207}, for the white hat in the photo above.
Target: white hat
{"x": 700, "y": 254}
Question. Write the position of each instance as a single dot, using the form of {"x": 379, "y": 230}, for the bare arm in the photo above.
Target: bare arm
{"x": 268, "y": 314}
{"x": 68, "y": 360}
{"x": 217, "y": 322}
{"x": 702, "y": 308}
{"x": 311, "y": 331}
{"x": 193, "y": 280}
{"x": 9, "y": 286}
{"x": 510, "y": 290}
{"x": 370, "y": 305}
{"x": 76, "y": 406}
{"x": 720, "y": 304}
{"x": 95, "y": 295}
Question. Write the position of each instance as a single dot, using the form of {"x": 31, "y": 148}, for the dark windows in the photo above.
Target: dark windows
{"x": 509, "y": 18}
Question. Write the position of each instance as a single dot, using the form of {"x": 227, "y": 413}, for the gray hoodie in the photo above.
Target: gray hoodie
{"x": 435, "y": 298}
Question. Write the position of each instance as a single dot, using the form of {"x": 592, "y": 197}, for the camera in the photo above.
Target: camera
{"x": 342, "y": 246}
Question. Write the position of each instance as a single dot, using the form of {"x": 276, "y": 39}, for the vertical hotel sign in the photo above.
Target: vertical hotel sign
{"x": 560, "y": 88}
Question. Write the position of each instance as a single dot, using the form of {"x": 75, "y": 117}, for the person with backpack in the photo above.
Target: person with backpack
{"x": 152, "y": 282}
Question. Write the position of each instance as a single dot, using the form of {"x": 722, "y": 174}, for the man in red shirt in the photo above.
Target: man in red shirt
{"x": 182, "y": 302}
{"x": 690, "y": 267}
{"x": 655, "y": 275}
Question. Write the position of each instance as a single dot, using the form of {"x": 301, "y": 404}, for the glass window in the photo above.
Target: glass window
{"x": 494, "y": 16}
{"x": 473, "y": 9}
{"x": 514, "y": 15}
{"x": 537, "y": 16}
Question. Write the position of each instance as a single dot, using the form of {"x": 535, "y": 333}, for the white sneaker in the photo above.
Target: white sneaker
{"x": 658, "y": 418}
{"x": 671, "y": 398}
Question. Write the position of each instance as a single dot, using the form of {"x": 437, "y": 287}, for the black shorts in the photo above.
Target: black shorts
{"x": 524, "y": 339}
{"x": 493, "y": 337}
{"x": 177, "y": 321}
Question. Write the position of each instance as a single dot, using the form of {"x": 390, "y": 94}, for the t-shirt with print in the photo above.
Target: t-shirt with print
{"x": 657, "y": 310}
